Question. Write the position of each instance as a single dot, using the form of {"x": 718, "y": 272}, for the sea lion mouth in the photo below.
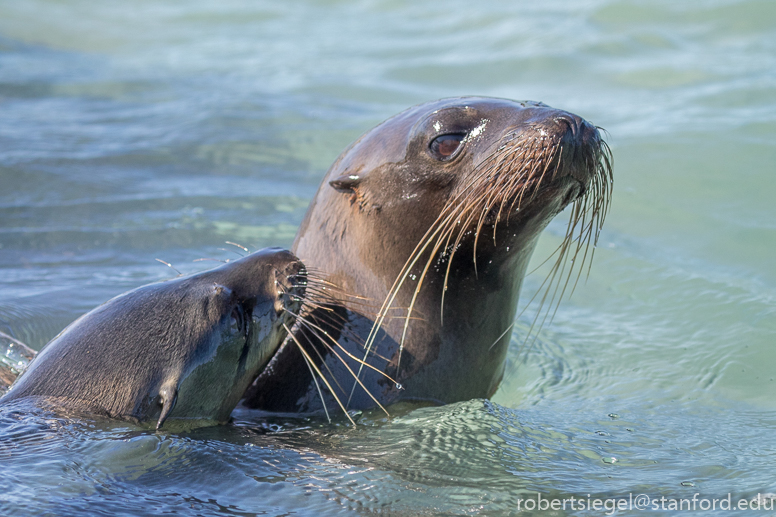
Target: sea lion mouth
{"x": 535, "y": 192}
{"x": 561, "y": 155}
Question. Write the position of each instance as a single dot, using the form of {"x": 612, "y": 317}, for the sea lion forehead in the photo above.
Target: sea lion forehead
{"x": 390, "y": 141}
{"x": 254, "y": 274}
{"x": 385, "y": 143}
{"x": 469, "y": 115}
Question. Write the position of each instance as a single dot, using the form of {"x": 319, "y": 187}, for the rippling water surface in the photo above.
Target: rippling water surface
{"x": 131, "y": 131}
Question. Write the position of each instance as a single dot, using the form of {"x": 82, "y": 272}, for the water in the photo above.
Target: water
{"x": 143, "y": 130}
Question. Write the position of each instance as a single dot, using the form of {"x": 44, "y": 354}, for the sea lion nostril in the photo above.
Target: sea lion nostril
{"x": 575, "y": 127}
{"x": 588, "y": 134}
{"x": 565, "y": 120}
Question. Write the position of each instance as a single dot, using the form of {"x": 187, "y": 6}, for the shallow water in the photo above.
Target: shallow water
{"x": 143, "y": 130}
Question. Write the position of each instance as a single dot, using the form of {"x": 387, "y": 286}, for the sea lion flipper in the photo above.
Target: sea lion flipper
{"x": 168, "y": 395}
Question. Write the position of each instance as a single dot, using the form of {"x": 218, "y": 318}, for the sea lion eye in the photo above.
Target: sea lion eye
{"x": 236, "y": 320}
{"x": 444, "y": 146}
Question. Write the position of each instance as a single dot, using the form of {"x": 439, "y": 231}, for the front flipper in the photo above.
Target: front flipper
{"x": 168, "y": 395}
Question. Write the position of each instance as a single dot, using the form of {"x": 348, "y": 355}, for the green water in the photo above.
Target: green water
{"x": 141, "y": 130}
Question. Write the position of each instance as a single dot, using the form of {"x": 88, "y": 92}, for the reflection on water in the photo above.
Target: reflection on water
{"x": 130, "y": 132}
{"x": 466, "y": 457}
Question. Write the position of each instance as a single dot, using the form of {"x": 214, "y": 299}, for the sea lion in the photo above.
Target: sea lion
{"x": 185, "y": 348}
{"x": 433, "y": 216}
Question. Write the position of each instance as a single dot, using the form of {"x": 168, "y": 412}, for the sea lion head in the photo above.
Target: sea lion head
{"x": 185, "y": 348}
{"x": 241, "y": 321}
{"x": 467, "y": 162}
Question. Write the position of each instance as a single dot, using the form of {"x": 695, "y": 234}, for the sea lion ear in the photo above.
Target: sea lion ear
{"x": 346, "y": 183}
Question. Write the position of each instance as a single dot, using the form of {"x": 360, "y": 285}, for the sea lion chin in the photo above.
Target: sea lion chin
{"x": 185, "y": 348}
{"x": 432, "y": 217}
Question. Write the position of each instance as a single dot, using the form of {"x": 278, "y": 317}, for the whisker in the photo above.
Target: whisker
{"x": 237, "y": 245}
{"x": 501, "y": 336}
{"x": 312, "y": 327}
{"x": 312, "y": 364}
{"x": 309, "y": 364}
{"x": 233, "y": 251}
{"x": 169, "y": 266}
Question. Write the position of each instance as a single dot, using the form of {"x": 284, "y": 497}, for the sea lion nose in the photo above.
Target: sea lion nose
{"x": 588, "y": 134}
{"x": 292, "y": 281}
{"x": 578, "y": 130}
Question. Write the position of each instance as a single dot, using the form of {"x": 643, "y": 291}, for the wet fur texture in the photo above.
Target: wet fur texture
{"x": 184, "y": 348}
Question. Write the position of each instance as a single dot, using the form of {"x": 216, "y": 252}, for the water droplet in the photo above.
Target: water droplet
{"x": 399, "y": 386}
{"x": 609, "y": 460}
